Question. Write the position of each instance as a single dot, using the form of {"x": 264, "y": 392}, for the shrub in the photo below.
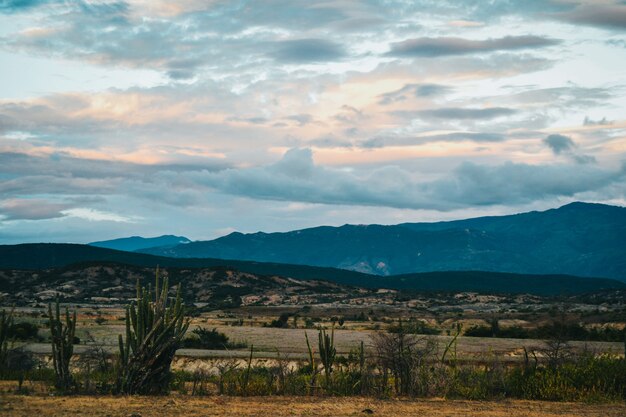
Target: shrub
{"x": 23, "y": 331}
{"x": 281, "y": 322}
{"x": 413, "y": 327}
{"x": 210, "y": 339}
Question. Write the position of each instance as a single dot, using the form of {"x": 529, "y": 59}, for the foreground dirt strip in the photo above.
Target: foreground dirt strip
{"x": 11, "y": 405}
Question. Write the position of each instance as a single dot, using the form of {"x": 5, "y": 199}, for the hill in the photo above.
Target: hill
{"x": 217, "y": 287}
{"x": 577, "y": 239}
{"x": 33, "y": 258}
{"x": 134, "y": 243}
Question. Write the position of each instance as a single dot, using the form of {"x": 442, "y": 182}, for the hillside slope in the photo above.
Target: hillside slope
{"x": 134, "y": 243}
{"x": 28, "y": 260}
{"x": 577, "y": 239}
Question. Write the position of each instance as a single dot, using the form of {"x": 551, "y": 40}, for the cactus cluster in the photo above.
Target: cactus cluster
{"x": 62, "y": 340}
{"x": 6, "y": 321}
{"x": 328, "y": 352}
{"x": 154, "y": 330}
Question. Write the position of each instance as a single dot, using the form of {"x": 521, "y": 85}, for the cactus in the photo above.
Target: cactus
{"x": 245, "y": 377}
{"x": 327, "y": 352}
{"x": 312, "y": 365}
{"x": 62, "y": 340}
{"x": 154, "y": 331}
{"x": 6, "y": 321}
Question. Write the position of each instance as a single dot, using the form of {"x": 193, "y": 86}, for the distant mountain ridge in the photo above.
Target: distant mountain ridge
{"x": 134, "y": 243}
{"x": 582, "y": 239}
{"x": 37, "y": 261}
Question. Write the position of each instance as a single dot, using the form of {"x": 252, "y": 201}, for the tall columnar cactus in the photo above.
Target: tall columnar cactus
{"x": 327, "y": 351}
{"x": 154, "y": 330}
{"x": 312, "y": 365}
{"x": 6, "y": 321}
{"x": 62, "y": 340}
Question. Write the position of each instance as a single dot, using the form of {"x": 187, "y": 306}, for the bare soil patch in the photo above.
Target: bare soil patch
{"x": 174, "y": 405}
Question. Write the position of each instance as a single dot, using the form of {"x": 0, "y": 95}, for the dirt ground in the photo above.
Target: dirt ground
{"x": 11, "y": 405}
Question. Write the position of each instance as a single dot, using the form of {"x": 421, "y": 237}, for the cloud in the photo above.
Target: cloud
{"x": 559, "y": 143}
{"x": 564, "y": 145}
{"x": 413, "y": 90}
{"x": 15, "y": 6}
{"x": 63, "y": 165}
{"x": 601, "y": 122}
{"x": 620, "y": 43}
{"x": 297, "y": 178}
{"x": 512, "y": 183}
{"x": 384, "y": 141}
{"x": 444, "y": 46}
{"x": 459, "y": 113}
{"x": 31, "y": 209}
{"x": 608, "y": 16}
{"x": 98, "y": 215}
{"x": 302, "y": 119}
{"x": 308, "y": 51}
{"x": 77, "y": 178}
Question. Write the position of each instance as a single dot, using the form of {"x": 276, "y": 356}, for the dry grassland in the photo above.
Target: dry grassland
{"x": 18, "y": 406}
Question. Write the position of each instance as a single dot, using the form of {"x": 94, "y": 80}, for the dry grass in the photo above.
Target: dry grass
{"x": 174, "y": 406}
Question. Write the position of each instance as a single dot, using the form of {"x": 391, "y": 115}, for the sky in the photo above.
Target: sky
{"x": 199, "y": 118}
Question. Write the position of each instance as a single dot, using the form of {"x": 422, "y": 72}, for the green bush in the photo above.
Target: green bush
{"x": 413, "y": 327}
{"x": 23, "y": 331}
{"x": 206, "y": 339}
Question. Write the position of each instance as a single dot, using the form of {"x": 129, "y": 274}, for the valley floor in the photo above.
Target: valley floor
{"x": 173, "y": 405}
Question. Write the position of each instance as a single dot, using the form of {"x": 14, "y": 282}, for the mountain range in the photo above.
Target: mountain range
{"x": 576, "y": 248}
{"x": 581, "y": 239}
{"x": 45, "y": 265}
{"x": 135, "y": 243}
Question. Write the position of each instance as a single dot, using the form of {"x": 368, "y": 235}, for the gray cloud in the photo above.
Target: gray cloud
{"x": 297, "y": 178}
{"x": 31, "y": 209}
{"x": 435, "y": 47}
{"x": 620, "y": 43}
{"x": 77, "y": 178}
{"x": 383, "y": 141}
{"x": 512, "y": 183}
{"x": 460, "y": 113}
{"x": 608, "y": 16}
{"x": 571, "y": 96}
{"x": 302, "y": 119}
{"x": 415, "y": 90}
{"x": 330, "y": 142}
{"x": 564, "y": 145}
{"x": 559, "y": 143}
{"x": 15, "y": 6}
{"x": 308, "y": 51}
{"x": 254, "y": 120}
{"x": 601, "y": 122}
{"x": 20, "y": 164}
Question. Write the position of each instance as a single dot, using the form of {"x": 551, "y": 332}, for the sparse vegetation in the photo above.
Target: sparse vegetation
{"x": 569, "y": 331}
{"x": 416, "y": 356}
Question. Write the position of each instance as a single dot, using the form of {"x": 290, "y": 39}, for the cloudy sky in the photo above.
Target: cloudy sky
{"x": 202, "y": 117}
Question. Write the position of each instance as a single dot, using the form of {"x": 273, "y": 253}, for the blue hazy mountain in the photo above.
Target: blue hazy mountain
{"x": 52, "y": 260}
{"x": 135, "y": 243}
{"x": 578, "y": 239}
